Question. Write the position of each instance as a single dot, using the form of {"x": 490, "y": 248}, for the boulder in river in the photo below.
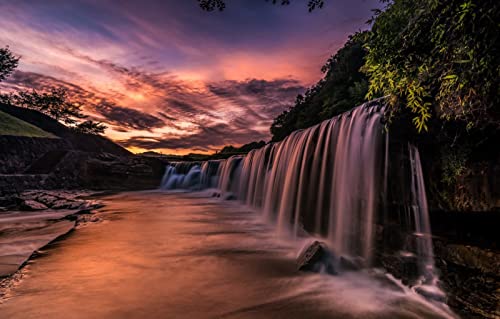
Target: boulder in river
{"x": 316, "y": 257}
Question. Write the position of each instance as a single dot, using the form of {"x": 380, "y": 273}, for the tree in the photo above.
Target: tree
{"x": 343, "y": 87}
{"x": 8, "y": 62}
{"x": 211, "y": 5}
{"x": 90, "y": 127}
{"x": 55, "y": 103}
{"x": 437, "y": 58}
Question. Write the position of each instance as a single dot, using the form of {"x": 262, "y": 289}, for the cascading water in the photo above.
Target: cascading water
{"x": 209, "y": 174}
{"x": 229, "y": 172}
{"x": 323, "y": 180}
{"x": 329, "y": 181}
{"x": 181, "y": 176}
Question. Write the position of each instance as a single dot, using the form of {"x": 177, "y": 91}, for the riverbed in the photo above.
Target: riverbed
{"x": 188, "y": 255}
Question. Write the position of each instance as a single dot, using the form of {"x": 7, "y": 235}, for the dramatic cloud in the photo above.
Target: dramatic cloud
{"x": 167, "y": 76}
{"x": 128, "y": 118}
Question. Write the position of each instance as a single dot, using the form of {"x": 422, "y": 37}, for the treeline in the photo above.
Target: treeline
{"x": 343, "y": 87}
{"x": 436, "y": 61}
{"x": 240, "y": 150}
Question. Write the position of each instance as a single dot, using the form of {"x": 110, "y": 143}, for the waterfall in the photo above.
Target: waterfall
{"x": 328, "y": 181}
{"x": 181, "y": 175}
{"x": 323, "y": 180}
{"x": 210, "y": 174}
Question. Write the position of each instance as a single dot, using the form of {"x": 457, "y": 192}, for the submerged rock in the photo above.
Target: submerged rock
{"x": 316, "y": 258}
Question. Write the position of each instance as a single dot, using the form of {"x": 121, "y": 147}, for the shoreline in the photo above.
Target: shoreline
{"x": 53, "y": 231}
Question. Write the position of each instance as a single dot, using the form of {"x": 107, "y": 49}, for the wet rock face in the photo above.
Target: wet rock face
{"x": 471, "y": 277}
{"x": 468, "y": 274}
{"x": 107, "y": 171}
{"x": 84, "y": 170}
{"x": 316, "y": 258}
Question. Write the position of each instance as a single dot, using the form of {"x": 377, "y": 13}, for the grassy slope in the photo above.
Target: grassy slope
{"x": 10, "y": 125}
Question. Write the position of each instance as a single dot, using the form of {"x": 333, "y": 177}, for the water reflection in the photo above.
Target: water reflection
{"x": 160, "y": 255}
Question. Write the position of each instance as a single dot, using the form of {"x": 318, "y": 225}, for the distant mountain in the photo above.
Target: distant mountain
{"x": 151, "y": 154}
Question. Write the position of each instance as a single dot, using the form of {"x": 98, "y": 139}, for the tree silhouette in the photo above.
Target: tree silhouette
{"x": 90, "y": 127}
{"x": 55, "y": 103}
{"x": 211, "y": 5}
{"x": 8, "y": 62}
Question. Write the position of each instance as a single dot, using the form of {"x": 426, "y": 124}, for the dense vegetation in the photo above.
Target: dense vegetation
{"x": 433, "y": 60}
{"x": 438, "y": 58}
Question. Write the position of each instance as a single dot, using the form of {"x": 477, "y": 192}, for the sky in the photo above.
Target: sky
{"x": 166, "y": 76}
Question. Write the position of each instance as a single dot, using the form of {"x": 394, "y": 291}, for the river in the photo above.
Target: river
{"x": 186, "y": 255}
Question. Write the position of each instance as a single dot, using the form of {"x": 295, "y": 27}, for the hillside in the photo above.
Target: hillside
{"x": 10, "y": 125}
{"x": 79, "y": 141}
{"x": 38, "y": 152}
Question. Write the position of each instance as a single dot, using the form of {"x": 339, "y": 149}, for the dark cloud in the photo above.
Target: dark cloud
{"x": 128, "y": 118}
{"x": 209, "y": 138}
{"x": 31, "y": 80}
{"x": 262, "y": 99}
{"x": 123, "y": 118}
{"x": 223, "y": 113}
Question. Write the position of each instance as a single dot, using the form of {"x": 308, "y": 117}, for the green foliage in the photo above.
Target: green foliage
{"x": 454, "y": 163}
{"x": 343, "y": 87}
{"x": 8, "y": 62}
{"x": 437, "y": 58}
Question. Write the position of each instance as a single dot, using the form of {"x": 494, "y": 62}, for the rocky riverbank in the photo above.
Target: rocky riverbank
{"x": 31, "y": 220}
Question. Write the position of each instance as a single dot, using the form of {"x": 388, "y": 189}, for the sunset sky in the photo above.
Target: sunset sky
{"x": 165, "y": 75}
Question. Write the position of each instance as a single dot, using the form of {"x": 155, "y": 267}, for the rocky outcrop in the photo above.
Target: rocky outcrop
{"x": 35, "y": 200}
{"x": 71, "y": 161}
{"x": 83, "y": 170}
{"x": 316, "y": 257}
{"x": 106, "y": 171}
{"x": 53, "y": 215}
{"x": 468, "y": 270}
{"x": 17, "y": 153}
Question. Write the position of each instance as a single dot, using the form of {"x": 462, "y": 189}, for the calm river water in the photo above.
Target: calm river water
{"x": 181, "y": 255}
